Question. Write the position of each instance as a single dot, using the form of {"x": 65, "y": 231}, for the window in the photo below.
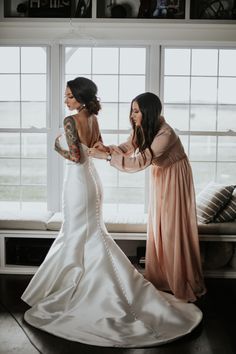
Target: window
{"x": 198, "y": 92}
{"x": 23, "y": 142}
{"x": 120, "y": 74}
{"x": 199, "y": 100}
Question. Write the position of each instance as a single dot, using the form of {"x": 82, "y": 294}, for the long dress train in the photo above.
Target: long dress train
{"x": 87, "y": 290}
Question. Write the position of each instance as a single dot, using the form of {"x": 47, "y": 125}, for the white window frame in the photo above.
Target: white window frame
{"x": 190, "y": 133}
{"x": 48, "y": 94}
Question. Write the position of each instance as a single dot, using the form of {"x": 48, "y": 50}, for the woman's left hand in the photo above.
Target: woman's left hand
{"x": 98, "y": 154}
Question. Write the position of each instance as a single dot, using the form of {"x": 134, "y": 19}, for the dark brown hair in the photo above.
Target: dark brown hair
{"x": 150, "y": 106}
{"x": 85, "y": 92}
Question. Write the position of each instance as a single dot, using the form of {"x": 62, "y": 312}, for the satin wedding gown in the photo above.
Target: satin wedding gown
{"x": 86, "y": 290}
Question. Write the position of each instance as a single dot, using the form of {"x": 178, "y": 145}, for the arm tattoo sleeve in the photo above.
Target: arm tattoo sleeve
{"x": 72, "y": 139}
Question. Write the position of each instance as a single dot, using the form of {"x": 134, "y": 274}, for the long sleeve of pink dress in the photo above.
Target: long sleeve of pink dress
{"x": 173, "y": 261}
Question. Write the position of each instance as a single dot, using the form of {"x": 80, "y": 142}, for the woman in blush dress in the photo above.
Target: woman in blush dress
{"x": 173, "y": 261}
{"x": 86, "y": 289}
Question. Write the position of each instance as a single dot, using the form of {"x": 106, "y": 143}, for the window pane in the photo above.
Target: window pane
{"x": 10, "y": 171}
{"x": 78, "y": 61}
{"x": 203, "y": 90}
{"x": 203, "y": 148}
{"x": 9, "y": 88}
{"x": 226, "y": 173}
{"x": 33, "y": 60}
{"x": 204, "y": 62}
{"x": 67, "y": 112}
{"x": 105, "y": 60}
{"x": 110, "y": 139}
{"x": 10, "y": 114}
{"x": 133, "y": 180}
{"x": 124, "y": 111}
{"x": 10, "y": 144}
{"x": 123, "y": 209}
{"x": 227, "y": 62}
{"x": 34, "y": 145}
{"x": 177, "y": 62}
{"x": 185, "y": 142}
{"x": 131, "y": 86}
{"x": 227, "y": 148}
{"x": 33, "y": 87}
{"x": 203, "y": 117}
{"x": 177, "y": 116}
{"x": 107, "y": 87}
{"x": 108, "y": 116}
{"x": 227, "y": 90}
{"x": 131, "y": 195}
{"x": 226, "y": 117}
{"x": 34, "y": 171}
{"x": 203, "y": 172}
{"x": 34, "y": 114}
{"x": 73, "y": 76}
{"x": 9, "y": 193}
{"x": 122, "y": 138}
{"x": 9, "y": 60}
{"x": 34, "y": 193}
{"x": 132, "y": 60}
{"x": 124, "y": 195}
{"x": 176, "y": 90}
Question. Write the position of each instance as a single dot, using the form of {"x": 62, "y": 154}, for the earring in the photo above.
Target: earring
{"x": 81, "y": 107}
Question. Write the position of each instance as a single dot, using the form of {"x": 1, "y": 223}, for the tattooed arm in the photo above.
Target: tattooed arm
{"x": 72, "y": 139}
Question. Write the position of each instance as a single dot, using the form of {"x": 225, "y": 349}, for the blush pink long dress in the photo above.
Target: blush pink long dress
{"x": 173, "y": 261}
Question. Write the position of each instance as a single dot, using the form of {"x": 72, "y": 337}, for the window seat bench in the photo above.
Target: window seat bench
{"x": 18, "y": 230}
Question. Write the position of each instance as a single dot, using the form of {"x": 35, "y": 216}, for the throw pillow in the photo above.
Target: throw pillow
{"x": 211, "y": 200}
{"x": 228, "y": 213}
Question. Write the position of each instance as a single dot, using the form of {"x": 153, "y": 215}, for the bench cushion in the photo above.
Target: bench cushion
{"x": 138, "y": 223}
{"x": 24, "y": 220}
{"x": 54, "y": 223}
{"x": 126, "y": 223}
{"x": 114, "y": 223}
{"x": 223, "y": 228}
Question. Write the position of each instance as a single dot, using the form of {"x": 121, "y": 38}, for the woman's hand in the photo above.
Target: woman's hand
{"x": 99, "y": 145}
{"x": 97, "y": 153}
{"x": 57, "y": 142}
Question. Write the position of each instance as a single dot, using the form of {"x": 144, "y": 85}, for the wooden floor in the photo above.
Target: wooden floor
{"x": 215, "y": 335}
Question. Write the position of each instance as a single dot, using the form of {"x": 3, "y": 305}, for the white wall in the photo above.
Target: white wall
{"x": 97, "y": 30}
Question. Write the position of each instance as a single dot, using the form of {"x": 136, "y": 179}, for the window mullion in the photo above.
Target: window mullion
{"x": 54, "y": 163}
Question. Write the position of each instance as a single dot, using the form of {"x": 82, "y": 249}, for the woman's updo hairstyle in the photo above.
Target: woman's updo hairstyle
{"x": 85, "y": 92}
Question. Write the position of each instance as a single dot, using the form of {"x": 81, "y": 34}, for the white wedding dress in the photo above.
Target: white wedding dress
{"x": 87, "y": 290}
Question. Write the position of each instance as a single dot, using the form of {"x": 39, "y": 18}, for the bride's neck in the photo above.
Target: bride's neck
{"x": 82, "y": 114}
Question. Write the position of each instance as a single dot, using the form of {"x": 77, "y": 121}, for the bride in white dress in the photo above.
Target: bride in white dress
{"x": 86, "y": 290}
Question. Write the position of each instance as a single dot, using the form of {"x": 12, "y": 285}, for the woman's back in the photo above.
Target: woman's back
{"x": 87, "y": 129}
